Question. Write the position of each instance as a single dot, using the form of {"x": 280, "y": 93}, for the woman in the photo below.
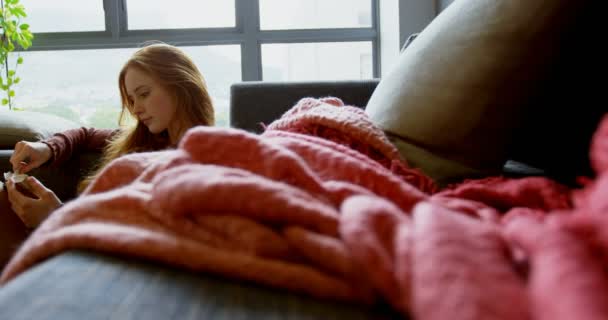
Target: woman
{"x": 160, "y": 86}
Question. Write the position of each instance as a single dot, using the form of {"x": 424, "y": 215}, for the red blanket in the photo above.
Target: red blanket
{"x": 322, "y": 204}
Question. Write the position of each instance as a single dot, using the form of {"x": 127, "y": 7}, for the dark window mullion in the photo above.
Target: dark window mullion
{"x": 123, "y": 16}
{"x": 317, "y": 35}
{"x": 376, "y": 62}
{"x": 101, "y": 40}
{"x": 111, "y": 8}
{"x": 248, "y": 18}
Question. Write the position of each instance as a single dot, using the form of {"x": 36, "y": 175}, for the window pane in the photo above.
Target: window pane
{"x": 315, "y": 14}
{"x": 176, "y": 14}
{"x": 82, "y": 85}
{"x": 64, "y": 15}
{"x": 317, "y": 61}
{"x": 221, "y": 67}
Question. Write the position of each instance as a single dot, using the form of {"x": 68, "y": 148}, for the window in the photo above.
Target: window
{"x": 43, "y": 16}
{"x": 221, "y": 67}
{"x": 162, "y": 14}
{"x": 230, "y": 40}
{"x": 315, "y": 14}
{"x": 82, "y": 85}
{"x": 317, "y": 61}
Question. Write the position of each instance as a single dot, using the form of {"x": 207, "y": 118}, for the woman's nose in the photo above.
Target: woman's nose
{"x": 137, "y": 108}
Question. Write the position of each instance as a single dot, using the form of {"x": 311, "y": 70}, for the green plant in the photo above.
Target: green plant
{"x": 11, "y": 12}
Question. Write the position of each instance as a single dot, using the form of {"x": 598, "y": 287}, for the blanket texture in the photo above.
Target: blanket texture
{"x": 322, "y": 204}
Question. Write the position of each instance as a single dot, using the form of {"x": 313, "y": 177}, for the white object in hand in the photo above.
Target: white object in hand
{"x": 17, "y": 177}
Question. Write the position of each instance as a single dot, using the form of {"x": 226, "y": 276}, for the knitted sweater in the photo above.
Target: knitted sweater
{"x": 73, "y": 142}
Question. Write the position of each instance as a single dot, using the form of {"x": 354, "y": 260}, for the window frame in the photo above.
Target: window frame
{"x": 246, "y": 33}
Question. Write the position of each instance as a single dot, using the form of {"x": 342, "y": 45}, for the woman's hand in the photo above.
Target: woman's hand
{"x": 29, "y": 155}
{"x": 32, "y": 211}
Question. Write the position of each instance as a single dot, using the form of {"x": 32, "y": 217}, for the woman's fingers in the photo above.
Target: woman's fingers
{"x": 29, "y": 155}
{"x": 14, "y": 196}
{"x": 37, "y": 188}
{"x": 32, "y": 211}
{"x": 23, "y": 167}
{"x": 17, "y": 200}
{"x": 18, "y": 155}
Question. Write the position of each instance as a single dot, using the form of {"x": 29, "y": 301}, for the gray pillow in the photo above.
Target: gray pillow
{"x": 30, "y": 126}
{"x": 459, "y": 91}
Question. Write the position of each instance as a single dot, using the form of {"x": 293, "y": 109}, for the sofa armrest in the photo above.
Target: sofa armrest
{"x": 111, "y": 287}
{"x": 257, "y": 102}
{"x": 63, "y": 180}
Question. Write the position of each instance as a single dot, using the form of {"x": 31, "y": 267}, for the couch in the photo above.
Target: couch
{"x": 94, "y": 285}
{"x": 101, "y": 286}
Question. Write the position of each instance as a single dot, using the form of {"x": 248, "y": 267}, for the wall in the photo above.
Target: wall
{"x": 406, "y": 16}
{"x": 444, "y": 4}
{"x": 414, "y": 15}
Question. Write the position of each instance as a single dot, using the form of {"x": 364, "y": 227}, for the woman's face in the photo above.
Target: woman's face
{"x": 151, "y": 104}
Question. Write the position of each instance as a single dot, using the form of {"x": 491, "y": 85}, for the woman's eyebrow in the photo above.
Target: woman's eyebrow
{"x": 143, "y": 86}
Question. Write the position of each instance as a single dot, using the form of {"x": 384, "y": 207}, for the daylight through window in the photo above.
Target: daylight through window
{"x": 72, "y": 68}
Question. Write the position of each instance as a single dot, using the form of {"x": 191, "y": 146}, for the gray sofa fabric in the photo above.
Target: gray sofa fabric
{"x": 255, "y": 103}
{"x": 84, "y": 285}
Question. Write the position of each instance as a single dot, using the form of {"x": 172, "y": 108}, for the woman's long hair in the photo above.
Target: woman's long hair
{"x": 176, "y": 73}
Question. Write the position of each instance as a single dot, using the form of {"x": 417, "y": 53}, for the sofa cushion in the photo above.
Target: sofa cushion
{"x": 459, "y": 91}
{"x": 254, "y": 104}
{"x": 30, "y": 126}
{"x": 128, "y": 288}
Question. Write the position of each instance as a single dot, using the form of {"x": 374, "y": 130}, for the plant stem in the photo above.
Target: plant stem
{"x": 6, "y": 63}
{"x": 10, "y": 104}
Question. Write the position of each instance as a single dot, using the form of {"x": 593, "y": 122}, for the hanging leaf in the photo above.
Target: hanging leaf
{"x": 12, "y": 33}
{"x": 22, "y": 42}
{"x": 18, "y": 11}
{"x": 11, "y": 26}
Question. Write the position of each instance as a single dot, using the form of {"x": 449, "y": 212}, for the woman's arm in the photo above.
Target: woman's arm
{"x": 32, "y": 209}
{"x": 72, "y": 142}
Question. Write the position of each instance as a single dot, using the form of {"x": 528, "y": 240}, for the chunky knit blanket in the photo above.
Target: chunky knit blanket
{"x": 322, "y": 204}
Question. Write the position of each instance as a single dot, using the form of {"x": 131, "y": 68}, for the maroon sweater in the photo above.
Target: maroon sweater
{"x": 74, "y": 142}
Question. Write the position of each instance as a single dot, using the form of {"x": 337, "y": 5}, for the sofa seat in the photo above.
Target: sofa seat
{"x": 87, "y": 285}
